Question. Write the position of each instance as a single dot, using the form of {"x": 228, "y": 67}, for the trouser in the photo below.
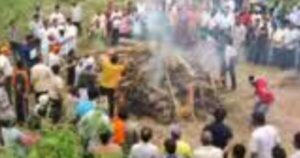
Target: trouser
{"x": 260, "y": 108}
{"x": 21, "y": 108}
{"x": 232, "y": 74}
{"x": 109, "y": 92}
{"x": 115, "y": 37}
{"x": 56, "y": 110}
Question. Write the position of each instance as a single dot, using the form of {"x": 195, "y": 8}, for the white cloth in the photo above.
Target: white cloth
{"x": 230, "y": 53}
{"x": 296, "y": 154}
{"x": 291, "y": 38}
{"x": 144, "y": 150}
{"x": 263, "y": 140}
{"x": 208, "y": 152}
{"x": 116, "y": 19}
{"x": 71, "y": 35}
{"x": 58, "y": 17}
{"x": 5, "y": 65}
{"x": 56, "y": 88}
{"x": 77, "y": 13}
{"x": 54, "y": 59}
{"x": 41, "y": 76}
{"x": 239, "y": 35}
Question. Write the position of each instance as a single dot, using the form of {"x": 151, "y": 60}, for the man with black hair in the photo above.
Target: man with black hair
{"x": 144, "y": 149}
{"x": 239, "y": 151}
{"x": 56, "y": 94}
{"x": 170, "y": 147}
{"x": 111, "y": 76}
{"x": 296, "y": 145}
{"x": 41, "y": 76}
{"x": 107, "y": 149}
{"x": 265, "y": 97}
{"x": 264, "y": 137}
{"x": 231, "y": 58}
{"x": 207, "y": 150}
{"x": 278, "y": 152}
{"x": 221, "y": 133}
{"x": 183, "y": 149}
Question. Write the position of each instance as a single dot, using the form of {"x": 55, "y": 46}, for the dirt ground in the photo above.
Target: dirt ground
{"x": 284, "y": 114}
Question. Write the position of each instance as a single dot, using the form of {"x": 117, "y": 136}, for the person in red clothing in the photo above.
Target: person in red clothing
{"x": 265, "y": 97}
{"x": 245, "y": 18}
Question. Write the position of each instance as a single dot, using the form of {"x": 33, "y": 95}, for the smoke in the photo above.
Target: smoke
{"x": 171, "y": 43}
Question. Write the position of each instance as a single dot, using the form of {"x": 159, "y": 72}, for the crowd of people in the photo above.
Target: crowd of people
{"x": 81, "y": 89}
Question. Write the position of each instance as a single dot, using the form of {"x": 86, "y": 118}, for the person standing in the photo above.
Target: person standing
{"x": 183, "y": 149}
{"x": 296, "y": 154}
{"x": 56, "y": 94}
{"x": 111, "y": 76}
{"x": 170, "y": 147}
{"x": 21, "y": 84}
{"x": 264, "y": 137}
{"x": 231, "y": 58}
{"x": 207, "y": 150}
{"x": 239, "y": 151}
{"x": 116, "y": 19}
{"x": 144, "y": 149}
{"x": 77, "y": 16}
{"x": 7, "y": 70}
{"x": 41, "y": 76}
{"x": 221, "y": 133}
{"x": 107, "y": 149}
{"x": 265, "y": 97}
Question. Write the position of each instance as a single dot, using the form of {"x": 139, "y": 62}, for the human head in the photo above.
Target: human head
{"x": 175, "y": 132}
{"x": 36, "y": 17}
{"x": 93, "y": 93}
{"x": 122, "y": 113}
{"x": 55, "y": 69}
{"x": 57, "y": 8}
{"x": 258, "y": 119}
{"x": 251, "y": 79}
{"x": 239, "y": 151}
{"x": 20, "y": 64}
{"x": 170, "y": 146}
{"x": 278, "y": 152}
{"x": 206, "y": 138}
{"x": 146, "y": 134}
{"x": 220, "y": 114}
{"x": 114, "y": 59}
{"x": 297, "y": 140}
{"x": 105, "y": 137}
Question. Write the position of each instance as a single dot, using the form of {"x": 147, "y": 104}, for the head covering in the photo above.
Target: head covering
{"x": 5, "y": 49}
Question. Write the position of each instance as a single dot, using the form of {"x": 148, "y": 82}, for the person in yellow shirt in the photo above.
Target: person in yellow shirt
{"x": 111, "y": 76}
{"x": 183, "y": 149}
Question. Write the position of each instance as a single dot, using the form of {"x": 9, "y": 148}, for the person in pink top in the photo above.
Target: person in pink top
{"x": 265, "y": 97}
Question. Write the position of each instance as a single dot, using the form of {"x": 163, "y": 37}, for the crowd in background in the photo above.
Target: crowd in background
{"x": 47, "y": 63}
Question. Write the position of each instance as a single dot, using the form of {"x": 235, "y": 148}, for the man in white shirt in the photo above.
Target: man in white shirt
{"x": 264, "y": 137}
{"x": 7, "y": 68}
{"x": 115, "y": 19}
{"x": 144, "y": 149}
{"x": 41, "y": 78}
{"x": 297, "y": 146}
{"x": 291, "y": 40}
{"x": 57, "y": 15}
{"x": 207, "y": 150}
{"x": 77, "y": 16}
{"x": 231, "y": 57}
{"x": 56, "y": 94}
{"x": 36, "y": 26}
{"x": 71, "y": 35}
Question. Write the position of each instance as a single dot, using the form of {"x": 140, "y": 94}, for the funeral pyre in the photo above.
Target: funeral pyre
{"x": 163, "y": 85}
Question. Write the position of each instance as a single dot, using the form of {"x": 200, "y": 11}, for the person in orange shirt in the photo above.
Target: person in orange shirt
{"x": 111, "y": 76}
{"x": 21, "y": 85}
{"x": 119, "y": 127}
